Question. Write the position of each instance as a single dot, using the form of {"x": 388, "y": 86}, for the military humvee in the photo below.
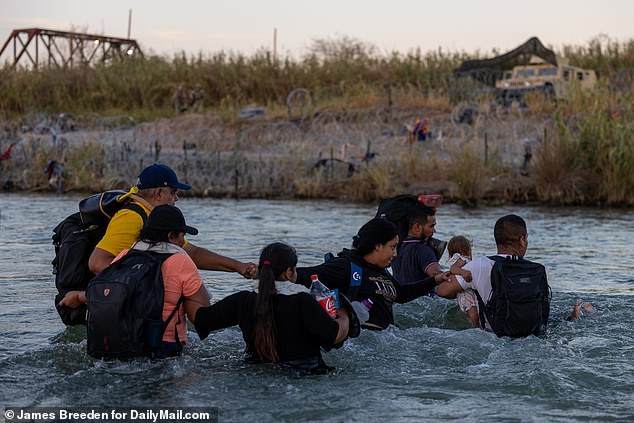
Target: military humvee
{"x": 545, "y": 77}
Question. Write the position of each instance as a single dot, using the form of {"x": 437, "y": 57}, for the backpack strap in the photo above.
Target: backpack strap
{"x": 169, "y": 319}
{"x": 481, "y": 310}
{"x": 356, "y": 276}
{"x": 138, "y": 209}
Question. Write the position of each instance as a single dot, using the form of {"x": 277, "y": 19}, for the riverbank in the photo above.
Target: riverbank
{"x": 359, "y": 155}
{"x": 363, "y": 155}
{"x": 333, "y": 124}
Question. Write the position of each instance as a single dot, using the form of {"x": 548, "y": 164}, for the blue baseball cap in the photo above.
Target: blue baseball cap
{"x": 159, "y": 175}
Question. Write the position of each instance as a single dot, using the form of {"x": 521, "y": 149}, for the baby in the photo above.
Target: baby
{"x": 459, "y": 249}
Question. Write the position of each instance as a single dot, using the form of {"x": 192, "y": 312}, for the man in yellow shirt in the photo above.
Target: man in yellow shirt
{"x": 157, "y": 184}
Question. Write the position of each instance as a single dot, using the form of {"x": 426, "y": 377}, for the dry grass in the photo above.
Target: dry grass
{"x": 558, "y": 178}
{"x": 358, "y": 97}
{"x": 469, "y": 173}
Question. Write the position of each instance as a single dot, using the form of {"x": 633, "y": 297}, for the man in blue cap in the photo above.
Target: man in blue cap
{"x": 157, "y": 184}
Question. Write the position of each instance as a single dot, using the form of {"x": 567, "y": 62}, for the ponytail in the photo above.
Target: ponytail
{"x": 274, "y": 260}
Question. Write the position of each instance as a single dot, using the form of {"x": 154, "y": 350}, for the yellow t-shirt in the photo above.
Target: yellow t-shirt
{"x": 123, "y": 230}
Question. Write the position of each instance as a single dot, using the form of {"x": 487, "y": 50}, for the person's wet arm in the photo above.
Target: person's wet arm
{"x": 196, "y": 301}
{"x": 208, "y": 260}
{"x": 334, "y": 274}
{"x": 409, "y": 292}
{"x": 223, "y": 314}
{"x": 450, "y": 288}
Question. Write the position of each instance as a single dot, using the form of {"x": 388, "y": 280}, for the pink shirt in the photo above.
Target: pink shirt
{"x": 180, "y": 277}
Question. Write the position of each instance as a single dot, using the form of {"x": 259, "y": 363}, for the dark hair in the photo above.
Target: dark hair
{"x": 275, "y": 258}
{"x": 375, "y": 231}
{"x": 509, "y": 229}
{"x": 154, "y": 236}
{"x": 419, "y": 214}
{"x": 459, "y": 244}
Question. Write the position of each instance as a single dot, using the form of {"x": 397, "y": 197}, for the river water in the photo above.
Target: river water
{"x": 431, "y": 367}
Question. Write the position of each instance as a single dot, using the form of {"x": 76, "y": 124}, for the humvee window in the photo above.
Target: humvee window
{"x": 525, "y": 73}
{"x": 579, "y": 76}
{"x": 548, "y": 72}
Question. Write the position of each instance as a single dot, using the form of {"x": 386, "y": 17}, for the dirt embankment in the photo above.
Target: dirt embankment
{"x": 358, "y": 155}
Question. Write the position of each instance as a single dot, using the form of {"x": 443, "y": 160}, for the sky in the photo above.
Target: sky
{"x": 165, "y": 27}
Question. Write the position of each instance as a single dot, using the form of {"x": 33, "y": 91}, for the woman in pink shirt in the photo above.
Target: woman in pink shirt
{"x": 164, "y": 232}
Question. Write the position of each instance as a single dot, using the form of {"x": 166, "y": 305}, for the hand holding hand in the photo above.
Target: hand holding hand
{"x": 248, "y": 270}
{"x": 441, "y": 277}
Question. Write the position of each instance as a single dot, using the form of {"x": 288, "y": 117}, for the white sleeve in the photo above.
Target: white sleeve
{"x": 454, "y": 259}
{"x": 470, "y": 266}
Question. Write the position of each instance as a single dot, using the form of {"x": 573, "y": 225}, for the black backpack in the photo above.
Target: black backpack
{"x": 125, "y": 307}
{"x": 519, "y": 304}
{"x": 75, "y": 239}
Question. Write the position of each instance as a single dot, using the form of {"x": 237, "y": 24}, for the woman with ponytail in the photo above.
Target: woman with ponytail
{"x": 360, "y": 273}
{"x": 277, "y": 328}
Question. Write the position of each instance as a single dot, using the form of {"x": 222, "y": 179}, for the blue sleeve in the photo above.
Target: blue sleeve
{"x": 424, "y": 257}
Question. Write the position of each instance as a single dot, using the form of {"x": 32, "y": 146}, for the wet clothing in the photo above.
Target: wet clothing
{"x": 466, "y": 299}
{"x": 123, "y": 230}
{"x": 302, "y": 325}
{"x": 376, "y": 284}
{"x": 480, "y": 269}
{"x": 412, "y": 261}
{"x": 180, "y": 278}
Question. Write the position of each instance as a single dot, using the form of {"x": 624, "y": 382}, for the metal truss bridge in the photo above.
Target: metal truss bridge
{"x": 38, "y": 47}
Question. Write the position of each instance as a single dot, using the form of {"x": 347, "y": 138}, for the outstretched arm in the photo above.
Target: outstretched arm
{"x": 208, "y": 260}
{"x": 196, "y": 301}
{"x": 450, "y": 288}
{"x": 409, "y": 292}
{"x": 334, "y": 274}
{"x": 223, "y": 314}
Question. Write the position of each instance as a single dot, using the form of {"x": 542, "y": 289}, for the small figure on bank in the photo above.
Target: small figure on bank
{"x": 180, "y": 99}
{"x": 197, "y": 97}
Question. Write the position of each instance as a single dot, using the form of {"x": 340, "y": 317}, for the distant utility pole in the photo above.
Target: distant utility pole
{"x": 129, "y": 23}
{"x": 274, "y": 44}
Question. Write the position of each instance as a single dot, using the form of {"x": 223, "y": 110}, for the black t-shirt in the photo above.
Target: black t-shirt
{"x": 412, "y": 261}
{"x": 302, "y": 324}
{"x": 376, "y": 284}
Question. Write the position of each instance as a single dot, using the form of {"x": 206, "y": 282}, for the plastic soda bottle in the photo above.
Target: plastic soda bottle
{"x": 325, "y": 297}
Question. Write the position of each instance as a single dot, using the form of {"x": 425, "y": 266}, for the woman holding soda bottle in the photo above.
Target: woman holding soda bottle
{"x": 278, "y": 328}
{"x": 360, "y": 274}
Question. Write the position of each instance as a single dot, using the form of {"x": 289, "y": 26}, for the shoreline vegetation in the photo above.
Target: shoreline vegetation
{"x": 344, "y": 136}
